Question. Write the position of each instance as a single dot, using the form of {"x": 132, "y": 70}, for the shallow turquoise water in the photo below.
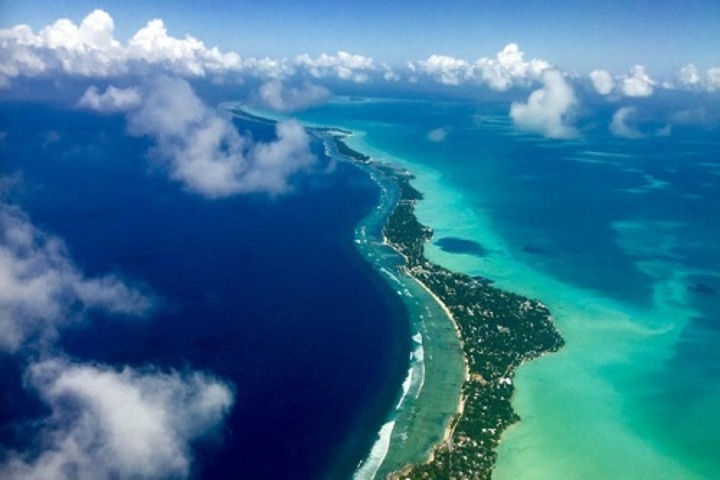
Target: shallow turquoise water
{"x": 618, "y": 238}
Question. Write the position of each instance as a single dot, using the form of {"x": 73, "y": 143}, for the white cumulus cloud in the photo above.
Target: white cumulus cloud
{"x": 108, "y": 423}
{"x": 95, "y": 32}
{"x": 602, "y": 81}
{"x": 619, "y": 126}
{"x": 190, "y": 56}
{"x": 638, "y": 83}
{"x": 713, "y": 79}
{"x": 343, "y": 65}
{"x": 267, "y": 67}
{"x": 90, "y": 50}
{"x": 691, "y": 77}
{"x": 547, "y": 109}
{"x": 204, "y": 151}
{"x": 112, "y": 100}
{"x": 41, "y": 289}
{"x": 278, "y": 96}
{"x": 446, "y": 70}
{"x": 507, "y": 69}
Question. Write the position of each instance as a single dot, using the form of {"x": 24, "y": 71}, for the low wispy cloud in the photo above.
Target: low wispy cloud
{"x": 713, "y": 79}
{"x": 41, "y": 289}
{"x": 112, "y": 100}
{"x": 277, "y": 95}
{"x": 201, "y": 148}
{"x": 619, "y": 126}
{"x": 696, "y": 117}
{"x": 108, "y": 423}
{"x": 437, "y": 134}
{"x": 104, "y": 422}
{"x": 548, "y": 109}
{"x": 49, "y": 138}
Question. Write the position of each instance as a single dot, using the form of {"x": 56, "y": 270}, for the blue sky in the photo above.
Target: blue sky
{"x": 290, "y": 55}
{"x": 579, "y": 36}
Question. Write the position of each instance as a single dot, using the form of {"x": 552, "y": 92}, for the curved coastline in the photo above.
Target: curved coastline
{"x": 431, "y": 390}
{"x": 617, "y": 351}
{"x": 495, "y": 331}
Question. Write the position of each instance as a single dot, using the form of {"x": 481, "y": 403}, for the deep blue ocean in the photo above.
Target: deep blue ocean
{"x": 269, "y": 294}
{"x": 617, "y": 236}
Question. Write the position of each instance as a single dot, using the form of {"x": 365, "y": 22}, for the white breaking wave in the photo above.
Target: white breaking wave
{"x": 413, "y": 382}
{"x": 390, "y": 275}
{"x": 372, "y": 463}
{"x": 419, "y": 354}
{"x": 407, "y": 383}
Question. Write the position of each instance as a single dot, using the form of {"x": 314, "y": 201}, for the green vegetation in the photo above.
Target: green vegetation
{"x": 343, "y": 149}
{"x": 498, "y": 331}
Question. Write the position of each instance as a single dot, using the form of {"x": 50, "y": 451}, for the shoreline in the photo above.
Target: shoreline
{"x": 431, "y": 398}
{"x": 498, "y": 331}
{"x": 449, "y": 428}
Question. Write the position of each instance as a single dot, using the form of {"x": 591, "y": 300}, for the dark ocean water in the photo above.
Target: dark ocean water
{"x": 618, "y": 236}
{"x": 268, "y": 294}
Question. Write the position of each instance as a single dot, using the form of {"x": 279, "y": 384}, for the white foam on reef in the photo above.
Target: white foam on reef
{"x": 369, "y": 467}
{"x": 407, "y": 383}
{"x": 376, "y": 252}
{"x": 419, "y": 365}
{"x": 411, "y": 388}
{"x": 390, "y": 275}
{"x": 416, "y": 375}
{"x": 419, "y": 353}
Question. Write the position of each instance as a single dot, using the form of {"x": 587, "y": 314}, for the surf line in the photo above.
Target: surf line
{"x": 498, "y": 331}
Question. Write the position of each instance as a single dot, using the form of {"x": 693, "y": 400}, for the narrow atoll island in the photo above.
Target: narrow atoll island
{"x": 498, "y": 331}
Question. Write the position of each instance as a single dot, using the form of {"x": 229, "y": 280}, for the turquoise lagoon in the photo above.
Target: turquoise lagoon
{"x": 617, "y": 236}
